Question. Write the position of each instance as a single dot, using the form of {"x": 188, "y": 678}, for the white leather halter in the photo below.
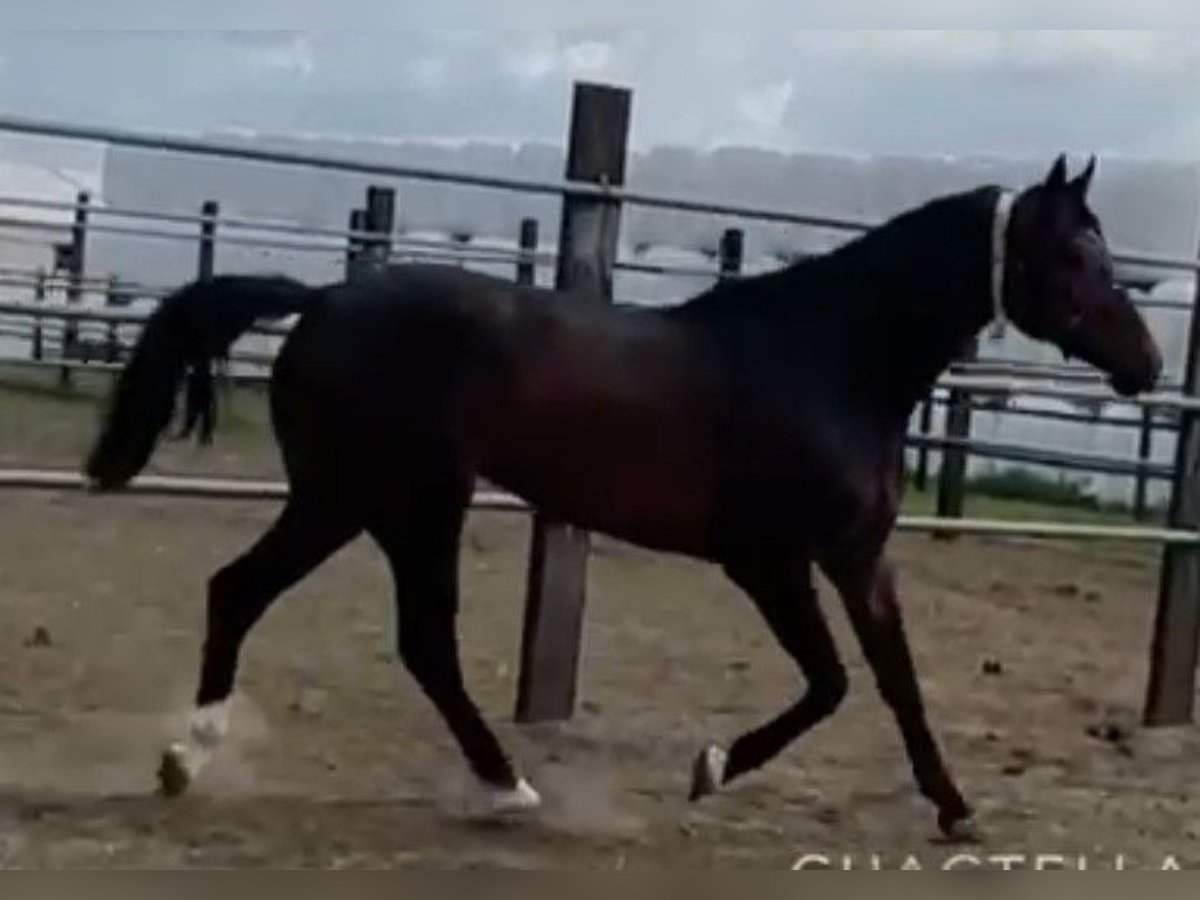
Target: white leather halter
{"x": 1000, "y": 222}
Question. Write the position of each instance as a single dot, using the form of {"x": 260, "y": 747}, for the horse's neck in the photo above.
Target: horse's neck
{"x": 887, "y": 312}
{"x": 916, "y": 297}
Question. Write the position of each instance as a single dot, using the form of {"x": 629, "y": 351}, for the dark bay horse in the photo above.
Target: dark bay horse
{"x": 759, "y": 426}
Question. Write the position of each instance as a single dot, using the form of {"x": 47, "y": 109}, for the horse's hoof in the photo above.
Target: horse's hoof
{"x": 174, "y": 778}
{"x": 708, "y": 774}
{"x": 959, "y": 828}
{"x": 511, "y": 801}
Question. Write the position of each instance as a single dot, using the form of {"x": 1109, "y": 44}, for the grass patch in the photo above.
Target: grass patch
{"x": 1016, "y": 484}
{"x": 46, "y": 425}
{"x": 1024, "y": 496}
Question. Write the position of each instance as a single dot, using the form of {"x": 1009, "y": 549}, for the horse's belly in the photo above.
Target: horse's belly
{"x": 655, "y": 496}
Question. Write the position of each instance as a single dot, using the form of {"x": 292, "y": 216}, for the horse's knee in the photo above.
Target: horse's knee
{"x": 425, "y": 658}
{"x": 222, "y": 588}
{"x": 828, "y": 690}
{"x": 227, "y": 592}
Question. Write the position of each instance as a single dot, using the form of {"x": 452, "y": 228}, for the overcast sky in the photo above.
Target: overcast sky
{"x": 1134, "y": 93}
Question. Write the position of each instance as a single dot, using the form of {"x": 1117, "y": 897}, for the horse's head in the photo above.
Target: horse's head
{"x": 1059, "y": 283}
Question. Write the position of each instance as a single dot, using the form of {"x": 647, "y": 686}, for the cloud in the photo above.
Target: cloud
{"x": 534, "y": 59}
{"x": 590, "y": 58}
{"x": 932, "y": 91}
{"x": 292, "y": 57}
{"x": 431, "y": 72}
{"x": 765, "y": 109}
{"x": 541, "y": 56}
{"x": 1015, "y": 50}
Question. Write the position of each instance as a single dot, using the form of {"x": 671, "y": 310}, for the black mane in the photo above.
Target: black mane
{"x": 846, "y": 276}
{"x": 885, "y": 313}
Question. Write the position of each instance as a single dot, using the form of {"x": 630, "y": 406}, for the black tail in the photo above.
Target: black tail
{"x": 193, "y": 327}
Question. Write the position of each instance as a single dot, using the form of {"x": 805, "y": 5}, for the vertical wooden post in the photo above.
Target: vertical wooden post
{"x": 553, "y": 632}
{"x": 112, "y": 344}
{"x": 921, "y": 475}
{"x": 76, "y": 265}
{"x": 354, "y": 245}
{"x": 206, "y": 256}
{"x": 1145, "y": 455}
{"x": 380, "y": 220}
{"x": 731, "y": 252}
{"x": 206, "y": 263}
{"x": 952, "y": 479}
{"x": 1171, "y": 695}
{"x": 526, "y": 265}
{"x": 38, "y": 350}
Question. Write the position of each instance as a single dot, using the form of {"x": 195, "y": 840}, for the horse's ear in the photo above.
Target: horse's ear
{"x": 1082, "y": 183}
{"x": 1057, "y": 179}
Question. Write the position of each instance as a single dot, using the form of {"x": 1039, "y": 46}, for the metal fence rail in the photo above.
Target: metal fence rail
{"x": 174, "y": 144}
{"x": 1036, "y": 456}
{"x": 255, "y": 490}
{"x": 267, "y": 226}
{"x": 978, "y": 384}
{"x": 61, "y": 312}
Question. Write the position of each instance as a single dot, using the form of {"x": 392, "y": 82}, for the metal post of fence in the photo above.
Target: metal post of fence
{"x": 38, "y": 349}
{"x": 1171, "y": 694}
{"x": 526, "y": 265}
{"x": 76, "y": 264}
{"x": 952, "y": 479}
{"x": 1145, "y": 455}
{"x": 732, "y": 252}
{"x": 557, "y": 577}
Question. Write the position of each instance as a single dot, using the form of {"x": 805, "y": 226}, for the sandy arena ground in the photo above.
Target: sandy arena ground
{"x": 337, "y": 760}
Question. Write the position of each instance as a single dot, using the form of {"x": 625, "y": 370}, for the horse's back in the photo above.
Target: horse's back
{"x": 566, "y": 401}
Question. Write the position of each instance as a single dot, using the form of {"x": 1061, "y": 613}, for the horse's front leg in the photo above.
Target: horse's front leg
{"x": 783, "y": 592}
{"x": 868, "y": 589}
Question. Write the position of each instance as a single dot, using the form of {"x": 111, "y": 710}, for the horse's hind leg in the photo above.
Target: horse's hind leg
{"x": 422, "y": 543}
{"x": 307, "y": 532}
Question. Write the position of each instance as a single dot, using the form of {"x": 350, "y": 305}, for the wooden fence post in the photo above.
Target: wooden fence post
{"x": 354, "y": 244}
{"x": 207, "y": 254}
{"x": 952, "y": 479}
{"x": 921, "y": 475}
{"x": 76, "y": 264}
{"x": 206, "y": 265}
{"x": 380, "y": 220}
{"x": 588, "y": 239}
{"x": 38, "y": 350}
{"x": 1145, "y": 455}
{"x": 527, "y": 265}
{"x": 732, "y": 252}
{"x": 112, "y": 343}
{"x": 1176, "y": 647}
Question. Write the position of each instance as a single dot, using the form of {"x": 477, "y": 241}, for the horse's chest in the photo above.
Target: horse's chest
{"x": 811, "y": 479}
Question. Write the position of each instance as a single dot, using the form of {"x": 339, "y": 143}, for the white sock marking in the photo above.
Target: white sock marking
{"x": 210, "y": 724}
{"x": 522, "y": 798}
{"x": 715, "y": 761}
{"x": 207, "y": 727}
